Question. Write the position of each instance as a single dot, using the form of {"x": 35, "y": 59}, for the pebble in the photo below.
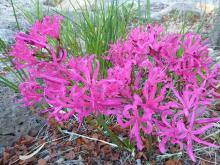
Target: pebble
{"x": 1, "y": 150}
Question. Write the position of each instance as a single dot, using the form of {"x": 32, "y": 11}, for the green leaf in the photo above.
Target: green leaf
{"x": 9, "y": 84}
{"x": 129, "y": 145}
{"x": 2, "y": 45}
{"x": 102, "y": 122}
{"x": 180, "y": 52}
{"x": 199, "y": 78}
{"x": 40, "y": 81}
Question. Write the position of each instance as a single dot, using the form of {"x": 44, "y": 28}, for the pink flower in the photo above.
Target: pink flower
{"x": 190, "y": 135}
{"x": 191, "y": 98}
{"x": 213, "y": 78}
{"x": 180, "y": 133}
{"x": 169, "y": 130}
{"x": 159, "y": 85}
{"x": 23, "y": 56}
{"x": 141, "y": 42}
{"x": 138, "y": 117}
{"x": 32, "y": 92}
{"x": 50, "y": 26}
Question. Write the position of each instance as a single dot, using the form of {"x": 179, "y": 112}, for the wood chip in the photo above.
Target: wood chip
{"x": 41, "y": 162}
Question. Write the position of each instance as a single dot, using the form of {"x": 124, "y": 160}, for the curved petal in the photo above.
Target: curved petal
{"x": 96, "y": 72}
{"x": 203, "y": 142}
{"x": 122, "y": 123}
{"x": 162, "y": 145}
{"x": 189, "y": 149}
{"x": 207, "y": 120}
{"x": 126, "y": 112}
{"x": 192, "y": 121}
{"x": 202, "y": 129}
{"x": 135, "y": 133}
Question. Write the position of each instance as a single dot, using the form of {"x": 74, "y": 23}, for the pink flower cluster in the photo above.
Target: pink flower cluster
{"x": 158, "y": 84}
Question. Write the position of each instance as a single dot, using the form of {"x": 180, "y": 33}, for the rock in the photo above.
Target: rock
{"x": 7, "y": 19}
{"x": 60, "y": 160}
{"x": 214, "y": 54}
{"x": 159, "y": 9}
{"x": 1, "y": 150}
{"x": 71, "y": 5}
{"x": 15, "y": 120}
{"x": 52, "y": 3}
{"x": 215, "y": 34}
{"x": 138, "y": 162}
{"x": 158, "y": 6}
{"x": 207, "y": 8}
{"x": 155, "y": 7}
{"x": 7, "y": 35}
{"x": 181, "y": 7}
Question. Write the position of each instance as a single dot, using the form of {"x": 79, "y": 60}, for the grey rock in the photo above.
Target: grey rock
{"x": 1, "y": 64}
{"x": 215, "y": 34}
{"x": 7, "y": 35}
{"x": 15, "y": 120}
{"x": 1, "y": 150}
{"x": 67, "y": 5}
{"x": 8, "y": 25}
{"x": 181, "y": 7}
{"x": 7, "y": 19}
{"x": 60, "y": 160}
{"x": 158, "y": 6}
{"x": 138, "y": 162}
{"x": 52, "y": 3}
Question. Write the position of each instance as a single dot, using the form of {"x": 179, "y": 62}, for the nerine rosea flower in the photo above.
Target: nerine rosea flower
{"x": 157, "y": 85}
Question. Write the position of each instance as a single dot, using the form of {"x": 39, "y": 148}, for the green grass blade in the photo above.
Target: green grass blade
{"x": 148, "y": 11}
{"x": 15, "y": 15}
{"x": 9, "y": 84}
{"x": 115, "y": 139}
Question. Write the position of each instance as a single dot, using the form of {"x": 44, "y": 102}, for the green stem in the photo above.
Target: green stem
{"x": 102, "y": 122}
{"x": 9, "y": 84}
{"x": 148, "y": 13}
{"x": 139, "y": 10}
{"x": 15, "y": 15}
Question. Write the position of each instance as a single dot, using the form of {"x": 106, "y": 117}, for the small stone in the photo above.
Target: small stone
{"x": 138, "y": 162}
{"x": 1, "y": 150}
{"x": 5, "y": 156}
{"x": 70, "y": 155}
{"x": 59, "y": 161}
